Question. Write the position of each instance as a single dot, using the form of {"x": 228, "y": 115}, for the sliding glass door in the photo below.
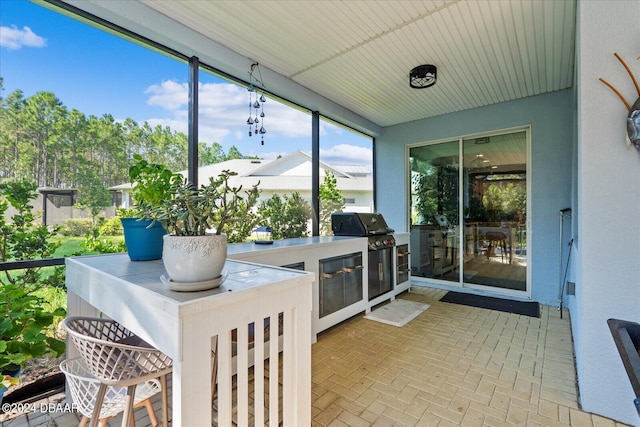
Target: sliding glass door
{"x": 469, "y": 210}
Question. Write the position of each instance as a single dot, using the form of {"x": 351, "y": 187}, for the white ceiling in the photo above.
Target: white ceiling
{"x": 358, "y": 53}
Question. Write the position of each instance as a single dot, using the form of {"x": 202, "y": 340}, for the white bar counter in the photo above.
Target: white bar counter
{"x": 183, "y": 326}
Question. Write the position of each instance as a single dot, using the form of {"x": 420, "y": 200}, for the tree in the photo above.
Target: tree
{"x": 506, "y": 201}
{"x": 436, "y": 191}
{"x": 210, "y": 154}
{"x": 288, "y": 218}
{"x": 43, "y": 115}
{"x": 331, "y": 200}
{"x": 234, "y": 153}
{"x": 43, "y": 142}
{"x": 93, "y": 195}
{"x": 11, "y": 131}
{"x": 20, "y": 237}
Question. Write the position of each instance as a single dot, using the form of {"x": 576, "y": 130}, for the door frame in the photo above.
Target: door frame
{"x": 460, "y": 284}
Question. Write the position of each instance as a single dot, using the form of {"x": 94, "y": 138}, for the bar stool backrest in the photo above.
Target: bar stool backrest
{"x": 113, "y": 354}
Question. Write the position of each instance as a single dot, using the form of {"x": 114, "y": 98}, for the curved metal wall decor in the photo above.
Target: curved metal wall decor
{"x": 633, "y": 118}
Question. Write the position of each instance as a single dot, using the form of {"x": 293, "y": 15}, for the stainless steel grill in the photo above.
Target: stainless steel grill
{"x": 380, "y": 243}
{"x": 359, "y": 224}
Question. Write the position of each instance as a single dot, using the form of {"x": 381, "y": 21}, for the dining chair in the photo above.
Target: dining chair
{"x": 501, "y": 239}
{"x": 84, "y": 388}
{"x": 116, "y": 357}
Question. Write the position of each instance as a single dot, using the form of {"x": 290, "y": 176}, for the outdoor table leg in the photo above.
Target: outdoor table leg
{"x": 192, "y": 380}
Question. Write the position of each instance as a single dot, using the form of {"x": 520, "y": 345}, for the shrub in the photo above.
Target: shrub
{"x": 76, "y": 227}
{"x": 94, "y": 244}
{"x": 111, "y": 227}
{"x": 26, "y": 317}
{"x": 288, "y": 216}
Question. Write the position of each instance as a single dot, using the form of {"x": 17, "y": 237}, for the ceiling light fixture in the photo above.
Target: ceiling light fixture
{"x": 423, "y": 76}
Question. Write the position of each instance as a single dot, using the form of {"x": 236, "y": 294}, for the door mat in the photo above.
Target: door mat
{"x": 398, "y": 312}
{"x": 525, "y": 308}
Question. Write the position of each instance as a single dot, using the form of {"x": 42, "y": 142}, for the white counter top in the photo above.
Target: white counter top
{"x": 246, "y": 248}
{"x": 145, "y": 276}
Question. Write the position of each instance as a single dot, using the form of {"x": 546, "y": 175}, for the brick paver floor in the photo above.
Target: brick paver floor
{"x": 452, "y": 365}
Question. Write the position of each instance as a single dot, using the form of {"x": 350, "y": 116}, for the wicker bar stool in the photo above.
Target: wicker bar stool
{"x": 84, "y": 389}
{"x": 117, "y": 357}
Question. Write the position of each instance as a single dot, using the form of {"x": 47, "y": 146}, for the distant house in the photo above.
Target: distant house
{"x": 285, "y": 175}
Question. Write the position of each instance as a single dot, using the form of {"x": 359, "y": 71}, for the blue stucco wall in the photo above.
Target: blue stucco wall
{"x": 551, "y": 117}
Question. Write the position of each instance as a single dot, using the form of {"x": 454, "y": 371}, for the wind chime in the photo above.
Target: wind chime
{"x": 256, "y": 104}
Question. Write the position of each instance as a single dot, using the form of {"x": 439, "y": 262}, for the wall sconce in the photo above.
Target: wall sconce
{"x": 423, "y": 76}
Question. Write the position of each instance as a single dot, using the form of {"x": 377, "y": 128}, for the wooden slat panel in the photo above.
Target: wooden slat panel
{"x": 258, "y": 375}
{"x": 274, "y": 374}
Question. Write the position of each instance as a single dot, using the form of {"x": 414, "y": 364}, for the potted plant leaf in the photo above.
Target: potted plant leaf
{"x": 151, "y": 186}
{"x": 196, "y": 219}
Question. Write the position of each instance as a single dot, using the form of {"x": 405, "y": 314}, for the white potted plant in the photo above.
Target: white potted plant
{"x": 195, "y": 248}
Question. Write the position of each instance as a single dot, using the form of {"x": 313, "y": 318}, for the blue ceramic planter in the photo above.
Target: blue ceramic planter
{"x": 143, "y": 244}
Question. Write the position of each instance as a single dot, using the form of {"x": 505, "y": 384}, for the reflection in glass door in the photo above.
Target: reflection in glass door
{"x": 495, "y": 211}
{"x": 435, "y": 211}
{"x": 468, "y": 211}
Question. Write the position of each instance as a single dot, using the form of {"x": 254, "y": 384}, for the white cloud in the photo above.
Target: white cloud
{"x": 169, "y": 95}
{"x": 14, "y": 38}
{"x": 175, "y": 125}
{"x": 224, "y": 110}
{"x": 346, "y": 154}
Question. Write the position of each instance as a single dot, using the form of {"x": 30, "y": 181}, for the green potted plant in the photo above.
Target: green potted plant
{"x": 152, "y": 184}
{"x": 196, "y": 219}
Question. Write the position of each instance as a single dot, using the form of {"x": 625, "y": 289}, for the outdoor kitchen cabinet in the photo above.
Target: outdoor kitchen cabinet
{"x": 380, "y": 272}
{"x": 402, "y": 263}
{"x": 308, "y": 251}
{"x": 340, "y": 282}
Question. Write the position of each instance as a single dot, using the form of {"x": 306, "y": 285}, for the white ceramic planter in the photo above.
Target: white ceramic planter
{"x": 194, "y": 259}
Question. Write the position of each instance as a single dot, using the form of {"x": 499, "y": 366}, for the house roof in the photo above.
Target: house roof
{"x": 289, "y": 173}
{"x": 350, "y": 60}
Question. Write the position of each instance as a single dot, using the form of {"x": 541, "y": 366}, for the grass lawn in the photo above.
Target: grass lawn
{"x": 73, "y": 245}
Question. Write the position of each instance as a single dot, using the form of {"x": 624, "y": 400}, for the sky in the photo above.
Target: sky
{"x": 98, "y": 73}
